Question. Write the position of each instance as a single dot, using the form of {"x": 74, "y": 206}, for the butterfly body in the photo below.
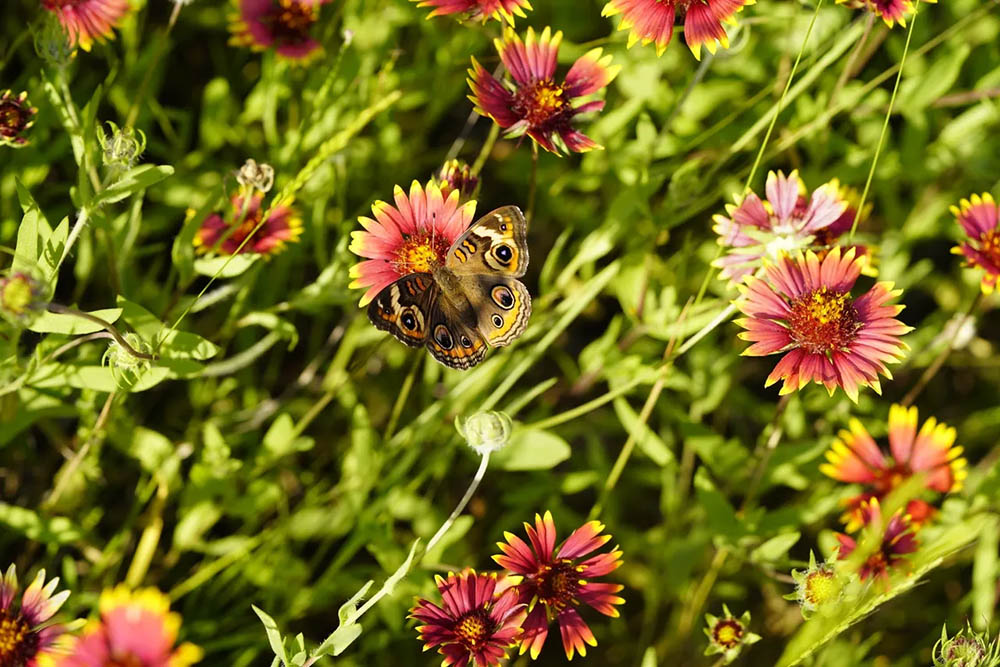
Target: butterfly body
{"x": 469, "y": 302}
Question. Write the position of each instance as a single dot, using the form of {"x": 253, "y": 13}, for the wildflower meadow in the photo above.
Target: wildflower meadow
{"x": 492, "y": 333}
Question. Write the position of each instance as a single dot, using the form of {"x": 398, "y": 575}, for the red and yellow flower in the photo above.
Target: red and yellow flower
{"x": 16, "y": 117}
{"x": 534, "y": 104}
{"x": 653, "y": 21}
{"x": 553, "y": 582}
{"x": 481, "y": 10}
{"x": 226, "y": 234}
{"x": 854, "y": 457}
{"x": 474, "y": 624}
{"x": 803, "y": 309}
{"x": 892, "y": 12}
{"x": 898, "y": 540}
{"x": 282, "y": 25}
{"x": 979, "y": 217}
{"x": 27, "y": 639}
{"x": 87, "y": 21}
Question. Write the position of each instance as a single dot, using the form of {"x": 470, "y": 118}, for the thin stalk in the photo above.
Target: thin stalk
{"x": 484, "y": 152}
{"x": 74, "y": 234}
{"x": 74, "y": 463}
{"x": 483, "y": 463}
{"x": 848, "y": 70}
{"x": 776, "y": 430}
{"x": 107, "y": 326}
{"x": 533, "y": 186}
{"x": 707, "y": 329}
{"x": 161, "y": 47}
{"x": 404, "y": 393}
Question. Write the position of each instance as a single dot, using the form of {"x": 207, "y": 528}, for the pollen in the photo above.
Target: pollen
{"x": 728, "y": 633}
{"x": 557, "y": 585}
{"x": 820, "y": 587}
{"x": 291, "y": 20}
{"x": 14, "y": 637}
{"x": 542, "y": 102}
{"x": 420, "y": 254}
{"x": 989, "y": 245}
{"x": 823, "y": 321}
{"x": 473, "y": 628}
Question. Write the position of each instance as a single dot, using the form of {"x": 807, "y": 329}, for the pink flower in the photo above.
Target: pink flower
{"x": 224, "y": 235}
{"x": 482, "y": 10}
{"x": 534, "y": 104}
{"x": 898, "y": 540}
{"x": 284, "y": 25}
{"x": 26, "y": 638}
{"x": 87, "y": 21}
{"x": 804, "y": 310}
{"x": 653, "y": 21}
{"x": 980, "y": 218}
{"x": 890, "y": 11}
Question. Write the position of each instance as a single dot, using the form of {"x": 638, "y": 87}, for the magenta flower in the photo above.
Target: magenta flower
{"x": 87, "y": 21}
{"x": 16, "y": 117}
{"x": 26, "y": 637}
{"x": 653, "y": 21}
{"x": 980, "y": 218}
{"x": 481, "y": 10}
{"x": 897, "y": 541}
{"x": 474, "y": 623}
{"x": 534, "y": 104}
{"x": 282, "y": 25}
{"x": 225, "y": 234}
{"x": 803, "y": 309}
{"x": 553, "y": 582}
{"x": 892, "y": 12}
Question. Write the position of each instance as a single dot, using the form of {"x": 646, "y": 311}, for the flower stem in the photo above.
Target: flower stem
{"x": 107, "y": 326}
{"x": 483, "y": 463}
{"x": 533, "y": 187}
{"x": 161, "y": 47}
{"x": 74, "y": 234}
{"x": 404, "y": 392}
{"x": 774, "y": 437}
{"x": 484, "y": 152}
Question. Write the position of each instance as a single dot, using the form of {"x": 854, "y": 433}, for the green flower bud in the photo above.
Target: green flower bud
{"x": 122, "y": 147}
{"x": 485, "y": 432}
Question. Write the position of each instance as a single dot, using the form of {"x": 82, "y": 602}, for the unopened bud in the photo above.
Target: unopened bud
{"x": 21, "y": 298}
{"x": 122, "y": 147}
{"x": 728, "y": 635}
{"x": 486, "y": 432}
{"x": 966, "y": 649}
{"x": 456, "y": 175}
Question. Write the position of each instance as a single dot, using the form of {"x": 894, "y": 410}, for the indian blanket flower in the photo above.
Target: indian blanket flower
{"x": 728, "y": 635}
{"x": 284, "y": 25}
{"x": 892, "y": 12}
{"x": 854, "y": 457}
{"x": 16, "y": 116}
{"x": 803, "y": 309}
{"x": 653, "y": 21}
{"x": 789, "y": 219}
{"x": 979, "y": 216}
{"x": 482, "y": 10}
{"x": 224, "y": 233}
{"x": 534, "y": 104}
{"x": 411, "y": 237}
{"x": 474, "y": 625}
{"x": 897, "y": 541}
{"x": 554, "y": 581}
{"x": 26, "y": 637}
{"x": 87, "y": 21}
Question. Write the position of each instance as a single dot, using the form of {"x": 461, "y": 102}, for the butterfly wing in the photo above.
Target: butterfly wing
{"x": 404, "y": 308}
{"x": 451, "y": 341}
{"x": 502, "y": 305}
{"x": 496, "y": 244}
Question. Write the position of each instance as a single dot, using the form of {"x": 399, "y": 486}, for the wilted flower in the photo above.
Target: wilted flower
{"x": 16, "y": 116}
{"x": 256, "y": 176}
{"x": 485, "y": 431}
{"x": 225, "y": 235}
{"x": 980, "y": 218}
{"x": 534, "y": 104}
{"x": 122, "y": 147}
{"x": 284, "y": 25}
{"x": 966, "y": 649}
{"x": 854, "y": 457}
{"x": 136, "y": 629}
{"x": 803, "y": 309}
{"x": 482, "y": 10}
{"x": 728, "y": 635}
{"x": 410, "y": 237}
{"x": 87, "y": 21}
{"x": 653, "y": 21}
{"x": 21, "y": 296}
{"x": 26, "y": 639}
{"x": 816, "y": 587}
{"x": 553, "y": 582}
{"x": 473, "y": 624}
{"x": 457, "y": 175}
{"x": 898, "y": 540}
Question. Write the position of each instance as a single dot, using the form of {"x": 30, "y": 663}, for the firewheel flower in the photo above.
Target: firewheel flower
{"x": 224, "y": 234}
{"x": 854, "y": 457}
{"x": 474, "y": 624}
{"x": 980, "y": 218}
{"x": 87, "y": 21}
{"x": 892, "y": 12}
{"x": 284, "y": 25}
{"x": 137, "y": 629}
{"x": 653, "y": 21}
{"x": 553, "y": 582}
{"x": 898, "y": 540}
{"x": 26, "y": 638}
{"x": 803, "y": 308}
{"x": 789, "y": 219}
{"x": 16, "y": 116}
{"x": 411, "y": 237}
{"x": 481, "y": 10}
{"x": 534, "y": 104}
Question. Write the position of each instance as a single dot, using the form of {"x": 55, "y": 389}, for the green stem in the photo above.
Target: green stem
{"x": 484, "y": 152}
{"x": 404, "y": 393}
{"x": 107, "y": 326}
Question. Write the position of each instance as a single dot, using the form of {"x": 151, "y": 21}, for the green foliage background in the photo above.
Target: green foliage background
{"x": 262, "y": 464}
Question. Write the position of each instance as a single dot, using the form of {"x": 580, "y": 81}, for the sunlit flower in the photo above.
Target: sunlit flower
{"x": 410, "y": 237}
{"x": 803, "y": 308}
{"x": 87, "y": 21}
{"x": 653, "y": 21}
{"x": 474, "y": 624}
{"x": 728, "y": 635}
{"x": 26, "y": 637}
{"x": 898, "y": 540}
{"x": 980, "y": 218}
{"x": 225, "y": 234}
{"x": 553, "y": 582}
{"x": 534, "y": 104}
{"x": 816, "y": 587}
{"x": 855, "y": 458}
{"x": 284, "y": 25}
{"x": 136, "y": 629}
{"x": 891, "y": 11}
{"x": 457, "y": 175}
{"x": 482, "y": 10}
{"x": 16, "y": 116}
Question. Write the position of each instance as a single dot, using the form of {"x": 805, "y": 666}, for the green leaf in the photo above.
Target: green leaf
{"x": 47, "y": 530}
{"x": 228, "y": 266}
{"x": 722, "y": 519}
{"x": 271, "y": 322}
{"x": 648, "y": 442}
{"x": 62, "y": 323}
{"x": 131, "y": 182}
{"x": 775, "y": 549}
{"x": 348, "y": 630}
{"x": 274, "y": 637}
{"x": 984, "y": 575}
{"x": 532, "y": 449}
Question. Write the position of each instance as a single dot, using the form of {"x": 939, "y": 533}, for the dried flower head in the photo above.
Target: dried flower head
{"x": 979, "y": 217}
{"x": 256, "y": 176}
{"x": 16, "y": 116}
{"x": 88, "y": 21}
{"x": 653, "y": 21}
{"x": 728, "y": 635}
{"x": 27, "y": 638}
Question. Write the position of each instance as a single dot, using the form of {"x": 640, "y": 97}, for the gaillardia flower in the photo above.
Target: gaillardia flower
{"x": 653, "y": 21}
{"x": 890, "y": 11}
{"x": 897, "y": 541}
{"x": 535, "y": 104}
{"x": 803, "y": 308}
{"x": 16, "y": 116}
{"x": 136, "y": 629}
{"x": 482, "y": 10}
{"x": 788, "y": 220}
{"x": 26, "y": 640}
{"x": 980, "y": 218}
{"x": 553, "y": 582}
{"x": 87, "y": 21}
{"x": 854, "y": 457}
{"x": 410, "y": 237}
{"x": 224, "y": 235}
{"x": 728, "y": 635}
{"x": 474, "y": 624}
{"x": 284, "y": 25}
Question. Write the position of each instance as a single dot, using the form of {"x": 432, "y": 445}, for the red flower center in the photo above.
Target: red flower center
{"x": 420, "y": 253}
{"x": 473, "y": 628}
{"x": 290, "y": 21}
{"x": 989, "y": 245}
{"x": 823, "y": 321}
{"x": 728, "y": 633}
{"x": 17, "y": 643}
{"x": 557, "y": 584}
{"x": 541, "y": 103}
{"x": 13, "y": 118}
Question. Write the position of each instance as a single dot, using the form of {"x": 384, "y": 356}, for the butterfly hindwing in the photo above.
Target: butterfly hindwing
{"x": 503, "y": 306}
{"x": 497, "y": 243}
{"x": 451, "y": 341}
{"x": 404, "y": 308}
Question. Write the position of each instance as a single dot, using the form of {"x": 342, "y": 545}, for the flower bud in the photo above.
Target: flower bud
{"x": 52, "y": 42}
{"x": 728, "y": 635}
{"x": 486, "y": 432}
{"x": 21, "y": 298}
{"x": 126, "y": 368}
{"x": 16, "y": 116}
{"x": 122, "y": 147}
{"x": 457, "y": 175}
{"x": 257, "y": 176}
{"x": 966, "y": 649}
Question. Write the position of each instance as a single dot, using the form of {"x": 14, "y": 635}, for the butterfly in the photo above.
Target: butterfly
{"x": 471, "y": 302}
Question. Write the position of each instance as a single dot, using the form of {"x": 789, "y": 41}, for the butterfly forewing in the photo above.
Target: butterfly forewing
{"x": 497, "y": 243}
